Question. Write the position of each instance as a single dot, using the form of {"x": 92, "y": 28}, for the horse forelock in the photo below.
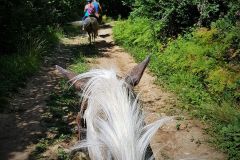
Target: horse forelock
{"x": 115, "y": 124}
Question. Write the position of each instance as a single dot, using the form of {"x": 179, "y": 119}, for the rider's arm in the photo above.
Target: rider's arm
{"x": 85, "y": 8}
{"x": 100, "y": 8}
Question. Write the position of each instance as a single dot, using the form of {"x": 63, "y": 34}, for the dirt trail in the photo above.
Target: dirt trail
{"x": 21, "y": 129}
{"x": 180, "y": 139}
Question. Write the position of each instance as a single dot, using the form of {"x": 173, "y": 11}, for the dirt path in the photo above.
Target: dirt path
{"x": 180, "y": 139}
{"x": 22, "y": 128}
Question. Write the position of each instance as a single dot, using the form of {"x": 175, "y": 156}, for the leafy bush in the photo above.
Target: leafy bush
{"x": 180, "y": 16}
{"x": 142, "y": 31}
{"x": 14, "y": 68}
{"x": 230, "y": 135}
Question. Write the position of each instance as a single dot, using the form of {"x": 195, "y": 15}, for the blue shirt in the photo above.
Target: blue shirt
{"x": 96, "y": 6}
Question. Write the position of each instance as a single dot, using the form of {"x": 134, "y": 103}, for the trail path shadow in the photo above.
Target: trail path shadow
{"x": 23, "y": 128}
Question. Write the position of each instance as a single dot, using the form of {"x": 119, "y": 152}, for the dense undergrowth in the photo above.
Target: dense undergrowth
{"x": 15, "y": 68}
{"x": 201, "y": 67}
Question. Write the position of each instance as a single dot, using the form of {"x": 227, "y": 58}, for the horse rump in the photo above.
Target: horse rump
{"x": 91, "y": 26}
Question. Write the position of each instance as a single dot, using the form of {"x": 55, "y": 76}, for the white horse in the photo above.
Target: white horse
{"x": 115, "y": 123}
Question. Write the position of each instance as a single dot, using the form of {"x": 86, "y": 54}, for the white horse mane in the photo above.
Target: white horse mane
{"x": 115, "y": 123}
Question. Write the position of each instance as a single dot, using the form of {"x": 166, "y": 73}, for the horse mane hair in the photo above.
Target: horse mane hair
{"x": 115, "y": 122}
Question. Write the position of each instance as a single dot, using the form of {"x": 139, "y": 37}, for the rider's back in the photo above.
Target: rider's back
{"x": 89, "y": 10}
{"x": 96, "y": 6}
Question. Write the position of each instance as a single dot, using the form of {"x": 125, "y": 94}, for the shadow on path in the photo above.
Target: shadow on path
{"x": 24, "y": 127}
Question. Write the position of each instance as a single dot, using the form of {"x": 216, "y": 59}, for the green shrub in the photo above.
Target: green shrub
{"x": 230, "y": 135}
{"x": 143, "y": 34}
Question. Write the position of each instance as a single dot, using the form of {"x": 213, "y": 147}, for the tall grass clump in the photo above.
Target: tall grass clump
{"x": 16, "y": 67}
{"x": 201, "y": 67}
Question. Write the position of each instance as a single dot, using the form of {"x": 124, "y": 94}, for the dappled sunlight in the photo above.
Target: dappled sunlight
{"x": 25, "y": 127}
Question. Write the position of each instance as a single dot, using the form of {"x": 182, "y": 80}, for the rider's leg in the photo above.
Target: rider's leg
{"x": 83, "y": 25}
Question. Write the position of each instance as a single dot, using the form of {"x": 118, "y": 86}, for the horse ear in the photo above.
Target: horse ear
{"x": 135, "y": 75}
{"x": 78, "y": 85}
{"x": 68, "y": 74}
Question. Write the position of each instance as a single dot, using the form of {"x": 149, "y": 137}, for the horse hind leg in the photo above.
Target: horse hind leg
{"x": 89, "y": 38}
{"x": 93, "y": 36}
{"x": 96, "y": 32}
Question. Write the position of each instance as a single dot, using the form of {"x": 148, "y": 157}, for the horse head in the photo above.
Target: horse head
{"x": 115, "y": 122}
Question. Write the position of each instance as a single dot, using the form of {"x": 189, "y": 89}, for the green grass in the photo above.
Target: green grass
{"x": 62, "y": 155}
{"x": 15, "y": 68}
{"x": 65, "y": 103}
{"x": 201, "y": 67}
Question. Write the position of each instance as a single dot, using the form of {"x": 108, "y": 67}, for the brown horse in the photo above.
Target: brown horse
{"x": 91, "y": 26}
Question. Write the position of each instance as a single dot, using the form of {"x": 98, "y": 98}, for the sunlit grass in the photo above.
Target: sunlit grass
{"x": 197, "y": 67}
{"x": 15, "y": 68}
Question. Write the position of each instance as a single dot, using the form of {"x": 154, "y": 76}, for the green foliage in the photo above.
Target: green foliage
{"x": 175, "y": 15}
{"x": 139, "y": 26}
{"x": 60, "y": 106}
{"x": 79, "y": 65}
{"x": 15, "y": 68}
{"x": 230, "y": 135}
{"x": 179, "y": 16}
{"x": 62, "y": 155}
{"x": 63, "y": 106}
{"x": 19, "y": 17}
{"x": 41, "y": 146}
{"x": 116, "y": 8}
{"x": 201, "y": 67}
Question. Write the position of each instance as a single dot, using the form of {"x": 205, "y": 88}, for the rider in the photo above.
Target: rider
{"x": 89, "y": 10}
{"x": 97, "y": 8}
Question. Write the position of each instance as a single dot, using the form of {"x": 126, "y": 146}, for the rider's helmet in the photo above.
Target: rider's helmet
{"x": 89, "y": 0}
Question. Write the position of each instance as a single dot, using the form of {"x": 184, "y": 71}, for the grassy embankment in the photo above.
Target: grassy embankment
{"x": 15, "y": 68}
{"x": 201, "y": 67}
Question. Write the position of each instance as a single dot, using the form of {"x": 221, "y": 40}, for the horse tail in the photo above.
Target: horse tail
{"x": 91, "y": 26}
